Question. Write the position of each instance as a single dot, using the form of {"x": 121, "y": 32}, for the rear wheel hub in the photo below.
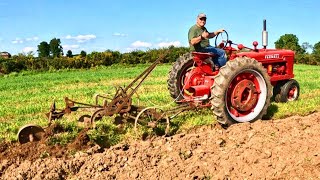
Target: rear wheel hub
{"x": 244, "y": 96}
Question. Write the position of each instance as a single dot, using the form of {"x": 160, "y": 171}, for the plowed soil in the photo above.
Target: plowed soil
{"x": 275, "y": 149}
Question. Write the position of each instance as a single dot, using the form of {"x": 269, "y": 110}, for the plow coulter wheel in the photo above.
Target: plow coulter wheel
{"x": 85, "y": 119}
{"x": 153, "y": 118}
{"x": 97, "y": 115}
{"x": 241, "y": 91}
{"x": 288, "y": 91}
{"x": 30, "y": 133}
{"x": 177, "y": 74}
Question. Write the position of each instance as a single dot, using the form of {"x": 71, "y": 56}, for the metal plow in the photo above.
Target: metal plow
{"x": 120, "y": 105}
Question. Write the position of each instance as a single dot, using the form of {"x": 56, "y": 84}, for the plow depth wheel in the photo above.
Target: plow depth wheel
{"x": 154, "y": 118}
{"x": 241, "y": 91}
{"x": 30, "y": 133}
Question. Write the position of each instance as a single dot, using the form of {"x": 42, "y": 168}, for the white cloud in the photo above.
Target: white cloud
{"x": 35, "y": 38}
{"x": 70, "y": 47}
{"x": 81, "y": 38}
{"x": 140, "y": 44}
{"x": 129, "y": 49}
{"x": 29, "y": 49}
{"x": 17, "y": 41}
{"x": 20, "y": 41}
{"x": 120, "y": 34}
{"x": 167, "y": 44}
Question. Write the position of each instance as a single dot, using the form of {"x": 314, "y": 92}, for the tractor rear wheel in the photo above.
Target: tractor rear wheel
{"x": 241, "y": 91}
{"x": 177, "y": 74}
{"x": 287, "y": 91}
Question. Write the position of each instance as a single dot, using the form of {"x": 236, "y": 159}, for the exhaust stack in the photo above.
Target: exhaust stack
{"x": 264, "y": 35}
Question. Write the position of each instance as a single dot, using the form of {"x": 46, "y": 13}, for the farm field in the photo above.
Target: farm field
{"x": 286, "y": 146}
{"x": 26, "y": 97}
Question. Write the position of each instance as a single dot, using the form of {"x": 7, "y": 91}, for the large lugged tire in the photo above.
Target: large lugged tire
{"x": 177, "y": 74}
{"x": 241, "y": 91}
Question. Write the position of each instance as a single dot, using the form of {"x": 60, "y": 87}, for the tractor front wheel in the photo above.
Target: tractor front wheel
{"x": 288, "y": 91}
{"x": 241, "y": 91}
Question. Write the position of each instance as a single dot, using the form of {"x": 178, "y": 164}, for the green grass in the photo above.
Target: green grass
{"x": 26, "y": 97}
{"x": 309, "y": 100}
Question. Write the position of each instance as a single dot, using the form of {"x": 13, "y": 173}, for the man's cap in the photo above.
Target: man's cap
{"x": 202, "y": 15}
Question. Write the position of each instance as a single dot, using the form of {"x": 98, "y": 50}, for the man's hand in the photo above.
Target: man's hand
{"x": 216, "y": 33}
{"x": 205, "y": 34}
{"x": 219, "y": 31}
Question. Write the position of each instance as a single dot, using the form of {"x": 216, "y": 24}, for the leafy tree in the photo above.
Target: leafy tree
{"x": 55, "y": 47}
{"x": 83, "y": 54}
{"x": 289, "y": 41}
{"x": 306, "y": 46}
{"x": 316, "y": 48}
{"x": 43, "y": 49}
{"x": 69, "y": 53}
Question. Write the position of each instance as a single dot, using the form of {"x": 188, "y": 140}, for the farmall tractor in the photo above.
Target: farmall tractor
{"x": 241, "y": 90}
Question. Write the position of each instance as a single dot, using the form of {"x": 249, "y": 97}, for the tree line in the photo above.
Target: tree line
{"x": 51, "y": 56}
{"x": 52, "y": 60}
{"x": 305, "y": 53}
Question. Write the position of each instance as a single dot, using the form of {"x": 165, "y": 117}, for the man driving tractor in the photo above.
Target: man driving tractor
{"x": 199, "y": 36}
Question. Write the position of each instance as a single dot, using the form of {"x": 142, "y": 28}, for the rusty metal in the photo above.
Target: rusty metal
{"x": 120, "y": 104}
{"x": 30, "y": 133}
{"x": 152, "y": 117}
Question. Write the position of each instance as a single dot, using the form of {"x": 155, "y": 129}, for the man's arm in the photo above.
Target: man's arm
{"x": 196, "y": 40}
{"x": 213, "y": 34}
{"x": 193, "y": 37}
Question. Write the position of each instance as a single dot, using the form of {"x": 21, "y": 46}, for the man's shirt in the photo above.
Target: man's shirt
{"x": 196, "y": 31}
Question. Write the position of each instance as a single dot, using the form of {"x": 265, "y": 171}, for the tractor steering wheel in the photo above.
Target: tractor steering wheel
{"x": 224, "y": 39}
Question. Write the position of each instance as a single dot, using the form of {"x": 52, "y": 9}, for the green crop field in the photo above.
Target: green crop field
{"x": 26, "y": 97}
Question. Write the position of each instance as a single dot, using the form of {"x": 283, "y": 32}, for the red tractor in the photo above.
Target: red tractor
{"x": 241, "y": 90}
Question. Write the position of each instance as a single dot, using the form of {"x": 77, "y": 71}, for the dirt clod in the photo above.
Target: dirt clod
{"x": 82, "y": 141}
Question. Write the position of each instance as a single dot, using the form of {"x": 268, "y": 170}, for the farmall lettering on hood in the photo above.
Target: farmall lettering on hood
{"x": 272, "y": 56}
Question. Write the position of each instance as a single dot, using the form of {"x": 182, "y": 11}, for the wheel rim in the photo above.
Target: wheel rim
{"x": 150, "y": 117}
{"x": 246, "y": 96}
{"x": 293, "y": 93}
{"x": 183, "y": 92}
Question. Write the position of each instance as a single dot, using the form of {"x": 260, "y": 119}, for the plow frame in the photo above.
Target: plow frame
{"x": 119, "y": 104}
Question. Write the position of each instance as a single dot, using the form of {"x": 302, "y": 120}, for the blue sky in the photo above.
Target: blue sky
{"x": 125, "y": 25}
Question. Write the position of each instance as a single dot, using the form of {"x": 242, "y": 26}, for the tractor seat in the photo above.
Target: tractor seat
{"x": 202, "y": 55}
